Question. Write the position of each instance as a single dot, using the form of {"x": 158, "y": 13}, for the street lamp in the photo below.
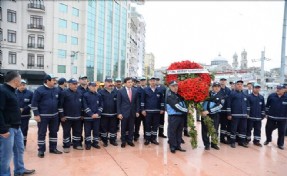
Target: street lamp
{"x": 74, "y": 53}
{"x": 262, "y": 72}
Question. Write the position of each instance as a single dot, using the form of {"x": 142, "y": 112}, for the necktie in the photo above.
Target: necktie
{"x": 130, "y": 94}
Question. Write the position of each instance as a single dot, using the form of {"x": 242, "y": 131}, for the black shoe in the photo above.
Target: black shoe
{"x": 206, "y": 148}
{"x": 182, "y": 141}
{"x": 28, "y": 172}
{"x": 180, "y": 149}
{"x": 281, "y": 147}
{"x": 88, "y": 147}
{"x": 243, "y": 144}
{"x": 136, "y": 139}
{"x": 223, "y": 141}
{"x": 123, "y": 145}
{"x": 114, "y": 143}
{"x": 215, "y": 147}
{"x": 266, "y": 143}
{"x": 154, "y": 142}
{"x": 186, "y": 133}
{"x": 78, "y": 147}
{"x": 162, "y": 136}
{"x": 248, "y": 140}
{"x": 146, "y": 142}
{"x": 131, "y": 144}
{"x": 232, "y": 145}
{"x": 41, "y": 154}
{"x": 198, "y": 120}
{"x": 56, "y": 151}
{"x": 96, "y": 146}
{"x": 105, "y": 144}
{"x": 257, "y": 144}
{"x": 172, "y": 150}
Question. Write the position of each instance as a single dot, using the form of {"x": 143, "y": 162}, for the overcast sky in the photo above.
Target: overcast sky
{"x": 180, "y": 30}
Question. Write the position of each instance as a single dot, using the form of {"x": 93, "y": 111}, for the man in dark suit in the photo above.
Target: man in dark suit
{"x": 127, "y": 110}
{"x": 248, "y": 91}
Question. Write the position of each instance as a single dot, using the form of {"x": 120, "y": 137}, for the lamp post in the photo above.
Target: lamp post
{"x": 262, "y": 72}
{"x": 283, "y": 57}
{"x": 74, "y": 53}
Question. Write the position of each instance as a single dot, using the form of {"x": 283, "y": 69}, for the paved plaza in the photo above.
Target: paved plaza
{"x": 157, "y": 160}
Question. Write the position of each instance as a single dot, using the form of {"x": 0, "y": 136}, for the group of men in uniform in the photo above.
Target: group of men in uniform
{"x": 240, "y": 111}
{"x": 80, "y": 106}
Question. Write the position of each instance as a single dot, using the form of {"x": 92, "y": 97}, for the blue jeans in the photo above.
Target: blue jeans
{"x": 12, "y": 146}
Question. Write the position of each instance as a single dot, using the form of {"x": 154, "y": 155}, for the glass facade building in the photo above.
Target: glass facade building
{"x": 106, "y": 39}
{"x": 91, "y": 24}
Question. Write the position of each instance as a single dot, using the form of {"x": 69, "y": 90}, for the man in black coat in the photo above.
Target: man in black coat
{"x": 11, "y": 137}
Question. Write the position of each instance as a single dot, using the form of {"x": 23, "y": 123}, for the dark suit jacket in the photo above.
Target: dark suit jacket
{"x": 124, "y": 106}
{"x": 246, "y": 92}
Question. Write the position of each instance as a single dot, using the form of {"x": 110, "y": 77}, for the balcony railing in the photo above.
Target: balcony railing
{"x": 40, "y": 46}
{"x": 36, "y": 6}
{"x": 31, "y": 45}
{"x": 36, "y": 26}
{"x": 35, "y": 66}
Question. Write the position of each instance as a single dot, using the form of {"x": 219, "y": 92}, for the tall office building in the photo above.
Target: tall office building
{"x": 136, "y": 44}
{"x": 106, "y": 39}
{"x": 149, "y": 65}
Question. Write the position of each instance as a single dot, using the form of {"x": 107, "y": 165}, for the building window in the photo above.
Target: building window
{"x": 75, "y": 26}
{"x": 12, "y": 59}
{"x": 36, "y": 20}
{"x": 75, "y": 11}
{"x": 40, "y": 61}
{"x": 74, "y": 40}
{"x": 1, "y": 58}
{"x": 63, "y": 8}
{"x": 61, "y": 69}
{"x": 62, "y": 53}
{"x": 11, "y": 16}
{"x": 37, "y": 3}
{"x": 75, "y": 70}
{"x": 1, "y": 34}
{"x": 11, "y": 36}
{"x": 31, "y": 41}
{"x": 40, "y": 42}
{"x": 31, "y": 60}
{"x": 62, "y": 23}
{"x": 62, "y": 38}
{"x": 1, "y": 13}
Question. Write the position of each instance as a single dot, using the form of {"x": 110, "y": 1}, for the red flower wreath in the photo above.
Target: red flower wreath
{"x": 192, "y": 87}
